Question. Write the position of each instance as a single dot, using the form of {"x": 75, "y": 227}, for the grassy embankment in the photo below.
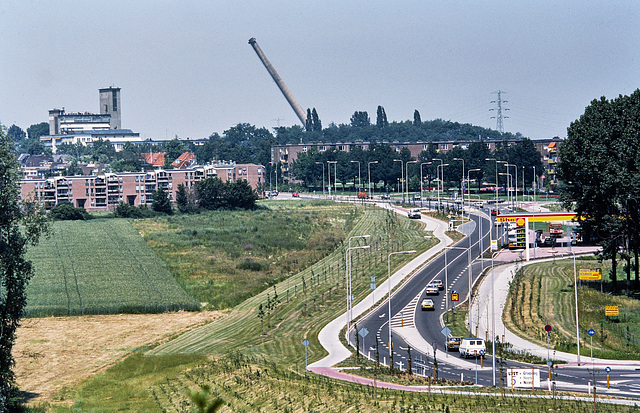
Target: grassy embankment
{"x": 543, "y": 294}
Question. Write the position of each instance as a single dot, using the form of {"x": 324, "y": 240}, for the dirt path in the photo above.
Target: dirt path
{"x": 60, "y": 352}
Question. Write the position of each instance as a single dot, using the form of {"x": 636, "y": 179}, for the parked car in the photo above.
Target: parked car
{"x": 385, "y": 196}
{"x": 427, "y": 304}
{"x": 416, "y": 197}
{"x": 432, "y": 289}
{"x": 472, "y": 347}
{"x": 295, "y": 195}
{"x": 363, "y": 195}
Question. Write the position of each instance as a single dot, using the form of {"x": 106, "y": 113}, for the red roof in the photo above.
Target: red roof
{"x": 183, "y": 161}
{"x": 154, "y": 158}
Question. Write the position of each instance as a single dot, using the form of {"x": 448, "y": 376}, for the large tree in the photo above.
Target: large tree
{"x": 600, "y": 167}
{"x": 20, "y": 226}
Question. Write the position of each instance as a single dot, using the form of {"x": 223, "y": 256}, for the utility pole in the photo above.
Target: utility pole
{"x": 499, "y": 117}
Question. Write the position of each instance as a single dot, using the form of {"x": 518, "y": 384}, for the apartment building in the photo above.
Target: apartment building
{"x": 104, "y": 191}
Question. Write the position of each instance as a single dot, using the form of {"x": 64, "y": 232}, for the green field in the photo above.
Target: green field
{"x": 100, "y": 266}
{"x": 543, "y": 293}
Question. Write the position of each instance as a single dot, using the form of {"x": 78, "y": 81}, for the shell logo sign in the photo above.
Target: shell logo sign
{"x": 520, "y": 222}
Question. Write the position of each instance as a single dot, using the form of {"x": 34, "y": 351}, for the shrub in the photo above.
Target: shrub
{"x": 64, "y": 211}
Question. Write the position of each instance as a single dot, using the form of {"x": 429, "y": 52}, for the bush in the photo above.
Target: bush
{"x": 64, "y": 211}
{"x": 251, "y": 265}
{"x": 124, "y": 210}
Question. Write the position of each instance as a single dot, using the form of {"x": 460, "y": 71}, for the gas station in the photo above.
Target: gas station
{"x": 522, "y": 221}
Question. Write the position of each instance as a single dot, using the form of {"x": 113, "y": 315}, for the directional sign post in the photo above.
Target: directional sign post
{"x": 608, "y": 370}
{"x": 591, "y": 332}
{"x": 363, "y": 333}
{"x": 445, "y": 332}
{"x": 547, "y": 328}
{"x": 305, "y": 343}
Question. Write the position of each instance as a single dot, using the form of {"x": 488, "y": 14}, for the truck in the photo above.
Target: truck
{"x": 555, "y": 230}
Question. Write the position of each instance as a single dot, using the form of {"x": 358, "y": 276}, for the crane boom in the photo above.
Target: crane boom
{"x": 276, "y": 78}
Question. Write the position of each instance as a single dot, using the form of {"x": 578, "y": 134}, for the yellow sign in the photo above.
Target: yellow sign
{"x": 455, "y": 297}
{"x": 590, "y": 274}
{"x": 611, "y": 310}
{"x": 520, "y": 222}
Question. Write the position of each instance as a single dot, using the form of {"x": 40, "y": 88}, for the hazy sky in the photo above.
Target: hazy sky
{"x": 185, "y": 67}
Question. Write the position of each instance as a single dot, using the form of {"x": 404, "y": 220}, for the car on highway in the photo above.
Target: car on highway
{"x": 295, "y": 195}
{"x": 416, "y": 197}
{"x": 385, "y": 196}
{"x": 494, "y": 211}
{"x": 414, "y": 213}
{"x": 472, "y": 347}
{"x": 439, "y": 284}
{"x": 427, "y": 304}
{"x": 432, "y": 289}
{"x": 453, "y": 343}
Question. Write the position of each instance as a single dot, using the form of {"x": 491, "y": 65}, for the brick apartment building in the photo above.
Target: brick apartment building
{"x": 104, "y": 191}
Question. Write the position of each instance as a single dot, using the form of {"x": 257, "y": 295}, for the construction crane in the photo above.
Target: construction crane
{"x": 276, "y": 78}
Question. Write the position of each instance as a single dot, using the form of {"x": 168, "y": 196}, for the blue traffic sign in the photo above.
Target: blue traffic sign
{"x": 607, "y": 369}
{"x": 591, "y": 331}
{"x": 305, "y": 342}
{"x": 481, "y": 352}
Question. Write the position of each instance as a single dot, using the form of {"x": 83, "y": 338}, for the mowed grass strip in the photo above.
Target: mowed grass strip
{"x": 543, "y": 293}
{"x": 100, "y": 267}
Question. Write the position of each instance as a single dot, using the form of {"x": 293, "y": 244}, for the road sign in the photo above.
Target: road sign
{"x": 494, "y": 245}
{"x": 549, "y": 363}
{"x": 547, "y": 328}
{"x": 305, "y": 342}
{"x": 372, "y": 286}
{"x": 523, "y": 377}
{"x": 607, "y": 369}
{"x": 446, "y": 331}
{"x": 611, "y": 310}
{"x": 586, "y": 274}
{"x": 481, "y": 352}
{"x": 363, "y": 332}
{"x": 591, "y": 331}
{"x": 455, "y": 297}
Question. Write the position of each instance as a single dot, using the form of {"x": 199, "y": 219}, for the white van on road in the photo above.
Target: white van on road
{"x": 472, "y": 347}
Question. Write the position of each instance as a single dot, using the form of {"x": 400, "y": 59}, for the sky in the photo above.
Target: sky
{"x": 186, "y": 69}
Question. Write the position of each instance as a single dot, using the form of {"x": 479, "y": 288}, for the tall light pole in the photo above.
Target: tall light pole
{"x": 322, "y": 163}
{"x": 515, "y": 172}
{"x": 347, "y": 266}
{"x": 461, "y": 185}
{"x": 438, "y": 178}
{"x": 369, "y": 168}
{"x": 422, "y": 181}
{"x": 575, "y": 288}
{"x": 335, "y": 173}
{"x": 493, "y": 321}
{"x": 407, "y": 177}
{"x": 442, "y": 179}
{"x": 401, "y": 177}
{"x": 389, "y": 285}
{"x": 359, "y": 183}
{"x": 469, "y": 236}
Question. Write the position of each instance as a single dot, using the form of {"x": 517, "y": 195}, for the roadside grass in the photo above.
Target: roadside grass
{"x": 305, "y": 302}
{"x": 101, "y": 266}
{"x": 543, "y": 294}
{"x": 222, "y": 258}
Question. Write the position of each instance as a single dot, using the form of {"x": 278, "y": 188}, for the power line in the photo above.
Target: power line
{"x": 499, "y": 117}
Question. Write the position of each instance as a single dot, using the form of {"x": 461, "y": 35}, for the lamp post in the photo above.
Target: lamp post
{"x": 442, "y": 179}
{"x": 422, "y": 181}
{"x": 389, "y": 286}
{"x": 401, "y": 177}
{"x": 335, "y": 172}
{"x": 515, "y": 172}
{"x": 438, "y": 178}
{"x": 469, "y": 236}
{"x": 359, "y": 183}
{"x": 461, "y": 185}
{"x": 407, "y": 177}
{"x": 493, "y": 320}
{"x": 347, "y": 267}
{"x": 575, "y": 288}
{"x": 369, "y": 168}
{"x": 322, "y": 163}
{"x": 509, "y": 181}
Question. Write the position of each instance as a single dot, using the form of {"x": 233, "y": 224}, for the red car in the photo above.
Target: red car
{"x": 295, "y": 194}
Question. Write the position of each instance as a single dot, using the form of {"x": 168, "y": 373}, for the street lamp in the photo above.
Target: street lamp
{"x": 322, "y": 163}
{"x": 442, "y": 180}
{"x": 389, "y": 286}
{"x": 369, "y": 168}
{"x": 347, "y": 267}
{"x": 359, "y": 183}
{"x": 493, "y": 320}
{"x": 469, "y": 236}
{"x": 575, "y": 289}
{"x": 515, "y": 172}
{"x": 461, "y": 184}
{"x": 438, "y": 178}
{"x": 401, "y": 176}
{"x": 335, "y": 172}
{"x": 407, "y": 178}
{"x": 422, "y": 181}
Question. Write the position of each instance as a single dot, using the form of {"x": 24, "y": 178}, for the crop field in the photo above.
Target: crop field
{"x": 100, "y": 267}
{"x": 544, "y": 294}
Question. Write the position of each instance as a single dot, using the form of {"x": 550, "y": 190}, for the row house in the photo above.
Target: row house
{"x": 105, "y": 191}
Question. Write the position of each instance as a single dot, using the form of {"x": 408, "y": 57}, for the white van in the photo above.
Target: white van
{"x": 472, "y": 347}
